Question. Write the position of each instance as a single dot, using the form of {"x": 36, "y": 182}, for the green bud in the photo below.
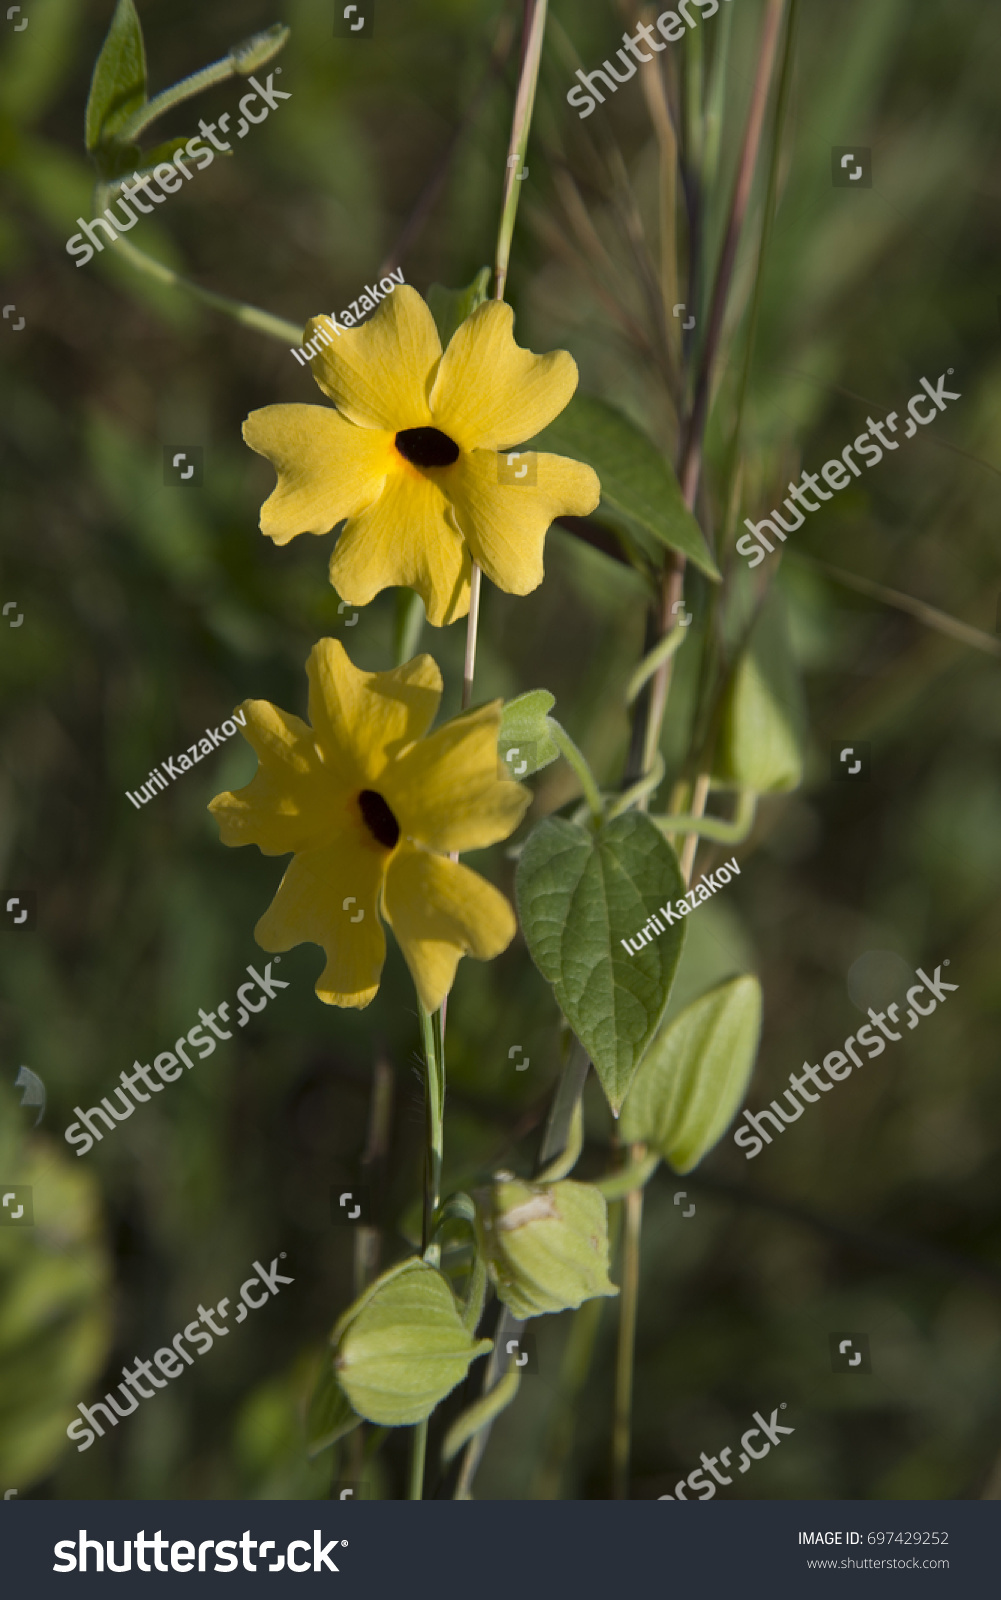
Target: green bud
{"x": 258, "y": 49}
{"x": 402, "y": 1347}
{"x": 546, "y": 1244}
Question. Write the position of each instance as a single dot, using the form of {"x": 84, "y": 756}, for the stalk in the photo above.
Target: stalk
{"x": 521, "y": 122}
{"x": 432, "y": 1033}
{"x": 629, "y": 1294}
{"x": 655, "y": 702}
{"x": 242, "y": 60}
{"x": 248, "y": 316}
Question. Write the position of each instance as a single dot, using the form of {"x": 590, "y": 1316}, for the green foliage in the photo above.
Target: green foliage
{"x": 118, "y": 87}
{"x": 403, "y": 1346}
{"x": 259, "y": 48}
{"x": 761, "y": 740}
{"x": 640, "y": 493}
{"x": 451, "y": 307}
{"x": 331, "y": 1415}
{"x": 694, "y": 1075}
{"x": 525, "y": 728}
{"x": 55, "y": 1311}
{"x": 579, "y": 894}
{"x": 545, "y": 1244}
{"x": 480, "y": 1413}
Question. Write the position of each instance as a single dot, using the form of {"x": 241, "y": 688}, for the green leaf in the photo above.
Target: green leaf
{"x": 476, "y": 1416}
{"x": 330, "y": 1414}
{"x": 640, "y": 493}
{"x": 545, "y": 1244}
{"x": 525, "y": 742}
{"x": 402, "y": 1347}
{"x": 761, "y": 738}
{"x": 693, "y": 1077}
{"x": 114, "y": 159}
{"x": 118, "y": 87}
{"x": 579, "y": 894}
{"x": 451, "y": 307}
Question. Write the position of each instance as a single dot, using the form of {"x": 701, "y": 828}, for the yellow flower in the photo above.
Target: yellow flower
{"x": 370, "y": 808}
{"x": 410, "y": 458}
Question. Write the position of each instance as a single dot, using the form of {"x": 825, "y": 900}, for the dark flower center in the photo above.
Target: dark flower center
{"x": 379, "y": 820}
{"x": 427, "y": 447}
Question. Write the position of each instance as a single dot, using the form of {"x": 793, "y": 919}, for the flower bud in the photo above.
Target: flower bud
{"x": 546, "y": 1244}
{"x": 402, "y": 1346}
{"x": 259, "y": 48}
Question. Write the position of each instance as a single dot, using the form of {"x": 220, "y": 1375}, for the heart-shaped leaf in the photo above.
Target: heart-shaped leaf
{"x": 118, "y": 87}
{"x": 694, "y": 1075}
{"x": 525, "y": 742}
{"x": 580, "y": 896}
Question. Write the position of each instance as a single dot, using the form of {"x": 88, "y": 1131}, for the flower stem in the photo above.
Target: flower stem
{"x": 472, "y": 632}
{"x": 249, "y": 316}
{"x": 242, "y": 59}
{"x": 570, "y": 753}
{"x": 434, "y": 1055}
{"x": 626, "y": 1352}
{"x": 521, "y": 122}
{"x": 528, "y": 77}
{"x": 418, "y": 1451}
{"x": 432, "y": 1033}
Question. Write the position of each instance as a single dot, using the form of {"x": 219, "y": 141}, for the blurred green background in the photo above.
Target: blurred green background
{"x": 150, "y": 612}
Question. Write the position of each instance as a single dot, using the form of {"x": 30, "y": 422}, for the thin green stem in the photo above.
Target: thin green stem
{"x": 241, "y": 60}
{"x": 570, "y": 753}
{"x": 432, "y": 1035}
{"x": 672, "y": 640}
{"x": 472, "y": 632}
{"x": 768, "y": 219}
{"x": 418, "y": 1452}
{"x": 521, "y": 122}
{"x": 626, "y": 1352}
{"x": 531, "y": 53}
{"x": 638, "y": 1173}
{"x": 434, "y": 1057}
{"x": 639, "y": 794}
{"x": 249, "y": 316}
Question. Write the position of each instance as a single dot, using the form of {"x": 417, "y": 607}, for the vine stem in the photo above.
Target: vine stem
{"x": 654, "y": 703}
{"x": 249, "y": 316}
{"x": 626, "y": 1352}
{"x": 521, "y": 122}
{"x": 432, "y": 1034}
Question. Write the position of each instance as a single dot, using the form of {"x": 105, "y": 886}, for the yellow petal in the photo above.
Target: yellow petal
{"x": 445, "y": 792}
{"x": 505, "y": 524}
{"x": 327, "y": 468}
{"x": 364, "y": 719}
{"x": 295, "y": 799}
{"x": 319, "y": 898}
{"x": 379, "y": 375}
{"x": 490, "y": 392}
{"x": 408, "y": 540}
{"x": 441, "y": 911}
